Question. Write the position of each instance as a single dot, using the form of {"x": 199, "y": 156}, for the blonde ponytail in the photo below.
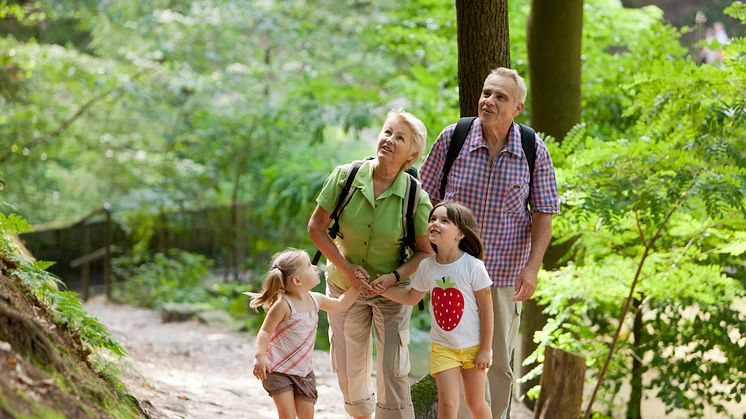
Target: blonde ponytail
{"x": 284, "y": 265}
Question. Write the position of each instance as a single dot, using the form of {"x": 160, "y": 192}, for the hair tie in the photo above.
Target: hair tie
{"x": 274, "y": 266}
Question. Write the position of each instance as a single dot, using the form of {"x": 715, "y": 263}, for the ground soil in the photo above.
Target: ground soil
{"x": 191, "y": 370}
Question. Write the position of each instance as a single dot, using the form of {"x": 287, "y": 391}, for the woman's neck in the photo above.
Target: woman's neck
{"x": 383, "y": 177}
{"x": 384, "y": 172}
{"x": 448, "y": 255}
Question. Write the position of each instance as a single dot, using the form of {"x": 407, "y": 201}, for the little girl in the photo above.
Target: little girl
{"x": 286, "y": 339}
{"x": 460, "y": 309}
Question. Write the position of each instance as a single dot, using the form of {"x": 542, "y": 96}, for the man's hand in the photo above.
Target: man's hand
{"x": 525, "y": 285}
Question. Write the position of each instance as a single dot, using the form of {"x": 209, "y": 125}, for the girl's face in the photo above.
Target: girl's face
{"x": 441, "y": 230}
{"x": 307, "y": 274}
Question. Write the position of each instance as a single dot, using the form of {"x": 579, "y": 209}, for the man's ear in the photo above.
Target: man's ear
{"x": 519, "y": 108}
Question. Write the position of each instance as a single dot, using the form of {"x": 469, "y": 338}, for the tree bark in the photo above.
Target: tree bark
{"x": 483, "y": 44}
{"x": 561, "y": 385}
{"x": 554, "y": 38}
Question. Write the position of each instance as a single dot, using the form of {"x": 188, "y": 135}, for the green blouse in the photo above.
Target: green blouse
{"x": 370, "y": 228}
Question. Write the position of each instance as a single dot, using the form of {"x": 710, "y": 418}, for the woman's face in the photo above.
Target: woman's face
{"x": 395, "y": 143}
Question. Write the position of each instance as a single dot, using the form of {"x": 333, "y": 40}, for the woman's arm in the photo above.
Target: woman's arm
{"x": 276, "y": 314}
{"x": 341, "y": 303}
{"x": 422, "y": 251}
{"x": 317, "y": 226}
{"x": 486, "y": 323}
{"x": 403, "y": 295}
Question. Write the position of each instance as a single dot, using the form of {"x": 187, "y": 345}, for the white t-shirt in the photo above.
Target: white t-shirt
{"x": 454, "y": 315}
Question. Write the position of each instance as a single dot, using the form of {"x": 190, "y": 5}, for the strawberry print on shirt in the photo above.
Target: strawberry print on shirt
{"x": 448, "y": 304}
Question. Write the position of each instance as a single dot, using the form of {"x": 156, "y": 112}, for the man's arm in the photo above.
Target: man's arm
{"x": 541, "y": 234}
{"x": 431, "y": 172}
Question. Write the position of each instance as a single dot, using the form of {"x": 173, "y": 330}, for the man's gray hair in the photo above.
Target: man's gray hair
{"x": 520, "y": 85}
{"x": 418, "y": 130}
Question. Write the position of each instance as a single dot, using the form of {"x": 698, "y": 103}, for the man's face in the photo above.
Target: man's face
{"x": 498, "y": 103}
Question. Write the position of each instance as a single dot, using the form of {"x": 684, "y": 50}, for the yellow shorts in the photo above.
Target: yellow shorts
{"x": 443, "y": 358}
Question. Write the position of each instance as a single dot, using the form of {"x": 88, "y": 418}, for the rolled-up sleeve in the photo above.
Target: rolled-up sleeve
{"x": 329, "y": 194}
{"x": 544, "y": 196}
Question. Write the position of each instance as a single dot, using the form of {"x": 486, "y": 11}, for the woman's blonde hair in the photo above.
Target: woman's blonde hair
{"x": 419, "y": 132}
{"x": 284, "y": 265}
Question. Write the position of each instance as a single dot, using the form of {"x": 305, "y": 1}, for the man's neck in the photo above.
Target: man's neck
{"x": 496, "y": 137}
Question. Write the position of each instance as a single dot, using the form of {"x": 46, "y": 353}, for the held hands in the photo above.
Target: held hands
{"x": 261, "y": 367}
{"x": 358, "y": 277}
{"x": 483, "y": 360}
{"x": 525, "y": 285}
{"x": 382, "y": 283}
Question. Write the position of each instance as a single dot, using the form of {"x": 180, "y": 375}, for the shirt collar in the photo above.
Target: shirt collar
{"x": 364, "y": 182}
{"x": 477, "y": 140}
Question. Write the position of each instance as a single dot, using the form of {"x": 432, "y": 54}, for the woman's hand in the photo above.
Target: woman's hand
{"x": 484, "y": 359}
{"x": 261, "y": 367}
{"x": 358, "y": 276}
{"x": 382, "y": 283}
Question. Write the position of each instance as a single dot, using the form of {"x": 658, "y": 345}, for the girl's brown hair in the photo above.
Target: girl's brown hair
{"x": 463, "y": 218}
{"x": 284, "y": 265}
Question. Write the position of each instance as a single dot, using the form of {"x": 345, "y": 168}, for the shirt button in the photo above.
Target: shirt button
{"x": 368, "y": 225}
{"x": 365, "y": 243}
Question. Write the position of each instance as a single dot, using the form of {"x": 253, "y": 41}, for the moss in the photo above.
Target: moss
{"x": 425, "y": 397}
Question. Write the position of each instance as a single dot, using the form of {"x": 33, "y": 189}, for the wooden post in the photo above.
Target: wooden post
{"x": 86, "y": 268}
{"x": 107, "y": 246}
{"x": 561, "y": 385}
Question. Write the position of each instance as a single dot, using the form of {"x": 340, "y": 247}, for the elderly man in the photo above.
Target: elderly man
{"x": 513, "y": 207}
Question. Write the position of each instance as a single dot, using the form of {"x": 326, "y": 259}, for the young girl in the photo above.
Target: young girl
{"x": 461, "y": 309}
{"x": 286, "y": 339}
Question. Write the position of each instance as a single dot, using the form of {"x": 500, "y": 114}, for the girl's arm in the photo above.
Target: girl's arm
{"x": 341, "y": 303}
{"x": 486, "y": 323}
{"x": 403, "y": 295}
{"x": 422, "y": 251}
{"x": 276, "y": 314}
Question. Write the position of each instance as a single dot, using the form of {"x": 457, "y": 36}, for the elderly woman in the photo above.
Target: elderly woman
{"x": 367, "y": 255}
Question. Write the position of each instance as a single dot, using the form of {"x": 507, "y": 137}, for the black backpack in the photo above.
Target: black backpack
{"x": 411, "y": 198}
{"x": 528, "y": 142}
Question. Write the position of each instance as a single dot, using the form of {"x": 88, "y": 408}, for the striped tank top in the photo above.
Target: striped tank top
{"x": 292, "y": 342}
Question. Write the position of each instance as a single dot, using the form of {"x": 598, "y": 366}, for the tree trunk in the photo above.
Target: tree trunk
{"x": 561, "y": 385}
{"x": 483, "y": 44}
{"x": 554, "y": 39}
{"x": 634, "y": 405}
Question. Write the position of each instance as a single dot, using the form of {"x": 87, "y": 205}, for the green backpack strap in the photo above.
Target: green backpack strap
{"x": 345, "y": 195}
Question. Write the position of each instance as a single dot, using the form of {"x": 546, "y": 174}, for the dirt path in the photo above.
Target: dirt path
{"x": 190, "y": 370}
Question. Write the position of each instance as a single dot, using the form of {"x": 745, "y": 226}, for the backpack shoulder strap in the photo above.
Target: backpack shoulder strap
{"x": 454, "y": 148}
{"x": 411, "y": 199}
{"x": 528, "y": 142}
{"x": 345, "y": 195}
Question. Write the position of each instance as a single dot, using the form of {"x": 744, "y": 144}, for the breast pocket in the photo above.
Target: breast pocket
{"x": 516, "y": 197}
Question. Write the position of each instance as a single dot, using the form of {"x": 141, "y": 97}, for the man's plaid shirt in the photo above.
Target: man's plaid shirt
{"x": 496, "y": 195}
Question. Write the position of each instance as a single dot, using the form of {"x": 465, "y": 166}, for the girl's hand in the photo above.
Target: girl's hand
{"x": 484, "y": 359}
{"x": 382, "y": 283}
{"x": 261, "y": 367}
